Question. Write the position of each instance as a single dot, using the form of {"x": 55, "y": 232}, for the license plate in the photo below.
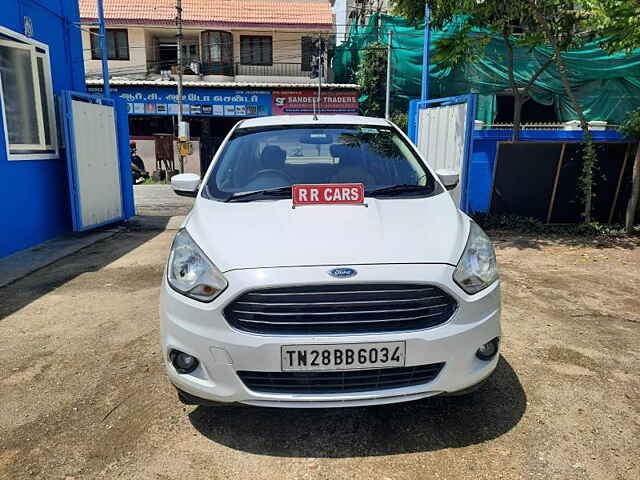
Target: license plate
{"x": 345, "y": 356}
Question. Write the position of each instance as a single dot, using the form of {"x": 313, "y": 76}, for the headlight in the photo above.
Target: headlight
{"x": 477, "y": 268}
{"x": 191, "y": 273}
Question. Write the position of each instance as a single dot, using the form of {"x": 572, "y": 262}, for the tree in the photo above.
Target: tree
{"x": 557, "y": 23}
{"x": 371, "y": 77}
{"x": 631, "y": 129}
{"x": 618, "y": 23}
{"x": 483, "y": 20}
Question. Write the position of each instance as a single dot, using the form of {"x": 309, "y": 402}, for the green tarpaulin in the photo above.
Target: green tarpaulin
{"x": 607, "y": 86}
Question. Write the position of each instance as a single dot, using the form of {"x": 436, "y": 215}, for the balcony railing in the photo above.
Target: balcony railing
{"x": 274, "y": 70}
{"x": 217, "y": 68}
{"x": 234, "y": 69}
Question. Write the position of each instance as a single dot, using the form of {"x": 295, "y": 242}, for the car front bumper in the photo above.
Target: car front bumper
{"x": 199, "y": 329}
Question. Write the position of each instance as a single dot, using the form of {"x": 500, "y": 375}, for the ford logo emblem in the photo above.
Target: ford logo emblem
{"x": 343, "y": 272}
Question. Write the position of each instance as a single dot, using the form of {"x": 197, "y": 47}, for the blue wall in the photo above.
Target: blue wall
{"x": 34, "y": 196}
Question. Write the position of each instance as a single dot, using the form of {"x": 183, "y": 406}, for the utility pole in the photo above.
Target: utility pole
{"x": 320, "y": 68}
{"x": 104, "y": 54}
{"x": 181, "y": 132}
{"x": 387, "y": 114}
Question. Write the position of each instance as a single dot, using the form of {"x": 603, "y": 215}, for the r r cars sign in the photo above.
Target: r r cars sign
{"x": 327, "y": 193}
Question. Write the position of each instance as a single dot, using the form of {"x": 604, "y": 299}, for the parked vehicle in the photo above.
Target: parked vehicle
{"x": 324, "y": 264}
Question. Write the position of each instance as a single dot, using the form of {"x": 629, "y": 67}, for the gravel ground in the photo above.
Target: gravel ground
{"x": 83, "y": 393}
{"x": 159, "y": 200}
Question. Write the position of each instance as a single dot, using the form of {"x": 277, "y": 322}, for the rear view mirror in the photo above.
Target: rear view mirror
{"x": 449, "y": 178}
{"x": 186, "y": 184}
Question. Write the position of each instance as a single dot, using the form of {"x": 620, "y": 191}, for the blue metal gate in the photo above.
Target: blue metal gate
{"x": 96, "y": 136}
{"x": 442, "y": 129}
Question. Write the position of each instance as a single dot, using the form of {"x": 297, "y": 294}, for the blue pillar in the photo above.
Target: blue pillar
{"x": 425, "y": 54}
{"x": 106, "y": 88}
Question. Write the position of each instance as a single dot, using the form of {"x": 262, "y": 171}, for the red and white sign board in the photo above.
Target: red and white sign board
{"x": 328, "y": 193}
{"x": 295, "y": 102}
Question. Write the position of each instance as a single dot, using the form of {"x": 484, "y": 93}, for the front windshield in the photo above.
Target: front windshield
{"x": 268, "y": 158}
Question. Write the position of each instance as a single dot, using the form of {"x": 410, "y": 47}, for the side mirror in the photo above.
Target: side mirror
{"x": 449, "y": 178}
{"x": 185, "y": 184}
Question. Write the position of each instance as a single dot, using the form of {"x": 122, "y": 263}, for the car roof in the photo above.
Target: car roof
{"x": 285, "y": 120}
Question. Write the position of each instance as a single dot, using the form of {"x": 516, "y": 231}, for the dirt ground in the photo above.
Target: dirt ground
{"x": 83, "y": 393}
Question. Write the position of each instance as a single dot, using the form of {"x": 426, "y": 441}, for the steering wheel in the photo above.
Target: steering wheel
{"x": 271, "y": 171}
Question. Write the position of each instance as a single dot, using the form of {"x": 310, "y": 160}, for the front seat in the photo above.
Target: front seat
{"x": 351, "y": 168}
{"x": 273, "y": 158}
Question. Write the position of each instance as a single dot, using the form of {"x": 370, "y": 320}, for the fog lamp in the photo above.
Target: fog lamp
{"x": 488, "y": 350}
{"x": 183, "y": 362}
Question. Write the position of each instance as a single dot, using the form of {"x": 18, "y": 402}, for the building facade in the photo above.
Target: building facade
{"x": 40, "y": 56}
{"x": 241, "y": 59}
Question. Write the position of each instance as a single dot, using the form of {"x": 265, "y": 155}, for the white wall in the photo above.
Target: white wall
{"x": 287, "y": 48}
{"x": 136, "y": 64}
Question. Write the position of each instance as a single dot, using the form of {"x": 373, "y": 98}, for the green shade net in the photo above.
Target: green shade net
{"x": 607, "y": 86}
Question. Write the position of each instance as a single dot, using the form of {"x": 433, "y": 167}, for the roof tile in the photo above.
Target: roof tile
{"x": 212, "y": 12}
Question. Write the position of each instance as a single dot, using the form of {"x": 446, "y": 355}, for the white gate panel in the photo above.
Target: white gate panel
{"x": 97, "y": 167}
{"x": 441, "y": 138}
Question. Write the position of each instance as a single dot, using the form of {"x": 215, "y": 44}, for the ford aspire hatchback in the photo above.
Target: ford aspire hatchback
{"x": 324, "y": 264}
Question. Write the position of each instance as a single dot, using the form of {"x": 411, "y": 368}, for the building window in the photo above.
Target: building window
{"x": 117, "y": 44}
{"x": 217, "y": 47}
{"x": 256, "y": 50}
{"x": 26, "y": 98}
{"x": 308, "y": 51}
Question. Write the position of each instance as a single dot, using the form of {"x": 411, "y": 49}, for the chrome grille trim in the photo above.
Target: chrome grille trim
{"x": 340, "y": 303}
{"x": 339, "y": 321}
{"x": 257, "y": 312}
{"x": 340, "y": 308}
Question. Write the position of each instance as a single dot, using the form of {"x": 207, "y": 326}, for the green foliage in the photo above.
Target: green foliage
{"x": 470, "y": 24}
{"x": 617, "y": 21}
{"x": 371, "y": 77}
{"x": 631, "y": 126}
{"x": 401, "y": 119}
{"x": 518, "y": 224}
{"x": 589, "y": 166}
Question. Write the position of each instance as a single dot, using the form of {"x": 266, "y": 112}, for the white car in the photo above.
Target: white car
{"x": 324, "y": 264}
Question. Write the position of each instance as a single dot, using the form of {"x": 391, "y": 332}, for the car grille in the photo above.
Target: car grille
{"x": 340, "y": 382}
{"x": 345, "y": 308}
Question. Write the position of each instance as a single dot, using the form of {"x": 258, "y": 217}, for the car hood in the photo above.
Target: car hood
{"x": 271, "y": 233}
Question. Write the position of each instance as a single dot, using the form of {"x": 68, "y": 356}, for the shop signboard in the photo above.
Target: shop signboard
{"x": 292, "y": 102}
{"x": 197, "y": 102}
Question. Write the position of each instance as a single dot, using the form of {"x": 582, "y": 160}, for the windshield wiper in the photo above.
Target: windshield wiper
{"x": 258, "y": 193}
{"x": 402, "y": 188}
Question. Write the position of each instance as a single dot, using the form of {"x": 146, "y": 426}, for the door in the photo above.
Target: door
{"x": 442, "y": 129}
{"x": 93, "y": 161}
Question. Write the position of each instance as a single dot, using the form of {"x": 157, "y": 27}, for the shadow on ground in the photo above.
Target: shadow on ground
{"x": 22, "y": 292}
{"x": 425, "y": 425}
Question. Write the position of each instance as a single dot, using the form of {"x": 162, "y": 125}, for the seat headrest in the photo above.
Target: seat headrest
{"x": 273, "y": 157}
